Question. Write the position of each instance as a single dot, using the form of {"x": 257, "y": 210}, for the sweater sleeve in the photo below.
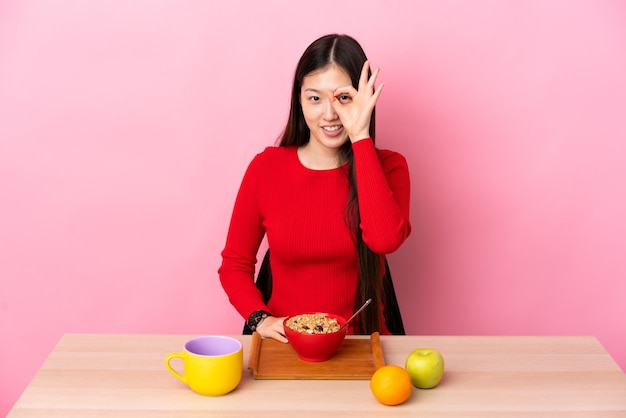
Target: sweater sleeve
{"x": 383, "y": 187}
{"x": 244, "y": 237}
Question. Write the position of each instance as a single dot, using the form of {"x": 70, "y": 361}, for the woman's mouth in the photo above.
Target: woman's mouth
{"x": 333, "y": 130}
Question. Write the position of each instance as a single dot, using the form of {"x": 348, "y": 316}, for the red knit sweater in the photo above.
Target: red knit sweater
{"x": 302, "y": 211}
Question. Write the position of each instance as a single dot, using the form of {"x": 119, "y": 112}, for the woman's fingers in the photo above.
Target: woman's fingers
{"x": 354, "y": 107}
{"x": 280, "y": 337}
{"x": 272, "y": 327}
{"x": 348, "y": 91}
{"x": 376, "y": 94}
{"x": 363, "y": 81}
{"x": 279, "y": 330}
{"x": 365, "y": 87}
{"x": 373, "y": 78}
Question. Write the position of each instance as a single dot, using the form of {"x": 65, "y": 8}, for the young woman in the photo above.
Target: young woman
{"x": 332, "y": 205}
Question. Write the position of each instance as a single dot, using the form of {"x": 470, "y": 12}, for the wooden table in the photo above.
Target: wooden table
{"x": 505, "y": 376}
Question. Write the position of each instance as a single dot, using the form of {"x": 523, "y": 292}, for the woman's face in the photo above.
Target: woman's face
{"x": 316, "y": 96}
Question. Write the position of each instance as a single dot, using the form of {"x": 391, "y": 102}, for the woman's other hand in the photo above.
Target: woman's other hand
{"x": 354, "y": 107}
{"x": 272, "y": 327}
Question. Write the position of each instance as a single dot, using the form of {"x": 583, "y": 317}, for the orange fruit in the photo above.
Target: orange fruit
{"x": 391, "y": 385}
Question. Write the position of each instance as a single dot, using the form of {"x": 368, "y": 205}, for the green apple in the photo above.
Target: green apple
{"x": 425, "y": 365}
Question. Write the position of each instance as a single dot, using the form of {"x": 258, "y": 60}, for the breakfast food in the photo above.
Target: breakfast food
{"x": 313, "y": 324}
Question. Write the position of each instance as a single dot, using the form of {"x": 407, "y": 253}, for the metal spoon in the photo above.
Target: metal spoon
{"x": 367, "y": 302}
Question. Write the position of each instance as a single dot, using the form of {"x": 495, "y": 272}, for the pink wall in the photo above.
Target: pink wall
{"x": 125, "y": 128}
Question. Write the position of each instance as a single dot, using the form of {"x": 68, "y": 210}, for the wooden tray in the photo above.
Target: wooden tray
{"x": 357, "y": 358}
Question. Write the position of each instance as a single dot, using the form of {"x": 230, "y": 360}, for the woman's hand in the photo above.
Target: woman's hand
{"x": 272, "y": 327}
{"x": 354, "y": 107}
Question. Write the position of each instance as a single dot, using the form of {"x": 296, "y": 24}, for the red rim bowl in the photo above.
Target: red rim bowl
{"x": 316, "y": 347}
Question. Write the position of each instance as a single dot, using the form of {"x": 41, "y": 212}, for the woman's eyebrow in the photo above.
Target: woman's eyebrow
{"x": 318, "y": 91}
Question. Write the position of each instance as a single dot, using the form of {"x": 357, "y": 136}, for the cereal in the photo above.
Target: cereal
{"x": 313, "y": 324}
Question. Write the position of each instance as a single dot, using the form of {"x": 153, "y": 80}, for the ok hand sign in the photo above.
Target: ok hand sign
{"x": 354, "y": 107}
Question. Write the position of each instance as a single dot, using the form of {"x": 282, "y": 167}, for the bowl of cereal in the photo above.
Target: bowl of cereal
{"x": 315, "y": 336}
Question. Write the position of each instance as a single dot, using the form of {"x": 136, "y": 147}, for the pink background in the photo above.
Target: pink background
{"x": 125, "y": 129}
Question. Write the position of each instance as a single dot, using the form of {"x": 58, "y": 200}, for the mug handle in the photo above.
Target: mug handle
{"x": 171, "y": 356}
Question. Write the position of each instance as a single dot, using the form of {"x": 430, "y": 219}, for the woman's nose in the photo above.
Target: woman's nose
{"x": 329, "y": 111}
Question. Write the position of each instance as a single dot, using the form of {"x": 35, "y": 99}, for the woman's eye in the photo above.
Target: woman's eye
{"x": 344, "y": 98}
{"x": 314, "y": 98}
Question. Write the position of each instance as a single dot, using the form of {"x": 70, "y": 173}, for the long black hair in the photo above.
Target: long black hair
{"x": 345, "y": 52}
